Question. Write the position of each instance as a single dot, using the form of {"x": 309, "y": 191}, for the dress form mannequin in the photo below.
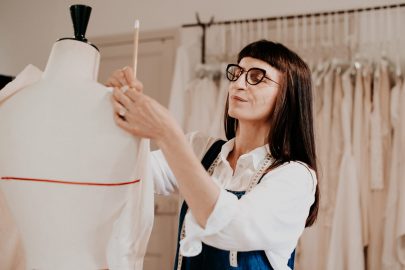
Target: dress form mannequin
{"x": 69, "y": 174}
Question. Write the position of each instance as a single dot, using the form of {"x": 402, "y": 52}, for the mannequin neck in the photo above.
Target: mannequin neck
{"x": 73, "y": 60}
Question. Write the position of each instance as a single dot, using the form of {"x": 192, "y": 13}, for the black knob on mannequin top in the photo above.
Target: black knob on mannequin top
{"x": 80, "y": 17}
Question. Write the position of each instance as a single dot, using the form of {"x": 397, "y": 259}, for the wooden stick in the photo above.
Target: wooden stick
{"x": 136, "y": 38}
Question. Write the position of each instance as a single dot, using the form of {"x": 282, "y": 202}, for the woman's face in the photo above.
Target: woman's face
{"x": 254, "y": 103}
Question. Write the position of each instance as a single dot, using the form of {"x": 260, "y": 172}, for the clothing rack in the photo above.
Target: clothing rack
{"x": 204, "y": 26}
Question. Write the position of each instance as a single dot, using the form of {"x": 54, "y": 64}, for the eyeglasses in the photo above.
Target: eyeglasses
{"x": 253, "y": 76}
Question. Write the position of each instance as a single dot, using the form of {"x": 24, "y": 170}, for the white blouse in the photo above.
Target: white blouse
{"x": 271, "y": 217}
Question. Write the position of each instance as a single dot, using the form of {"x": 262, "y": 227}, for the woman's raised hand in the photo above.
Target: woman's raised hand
{"x": 136, "y": 112}
{"x": 121, "y": 77}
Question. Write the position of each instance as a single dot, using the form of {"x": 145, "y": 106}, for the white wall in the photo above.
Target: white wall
{"x": 29, "y": 28}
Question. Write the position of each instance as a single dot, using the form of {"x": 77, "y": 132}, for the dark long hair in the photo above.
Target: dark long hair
{"x": 291, "y": 136}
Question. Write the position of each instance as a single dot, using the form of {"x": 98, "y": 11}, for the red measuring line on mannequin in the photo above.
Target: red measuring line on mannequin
{"x": 9, "y": 178}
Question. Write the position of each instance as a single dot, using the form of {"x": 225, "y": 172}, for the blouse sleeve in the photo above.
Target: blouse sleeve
{"x": 164, "y": 180}
{"x": 271, "y": 217}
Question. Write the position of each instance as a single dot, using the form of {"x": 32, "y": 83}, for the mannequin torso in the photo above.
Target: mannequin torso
{"x": 61, "y": 128}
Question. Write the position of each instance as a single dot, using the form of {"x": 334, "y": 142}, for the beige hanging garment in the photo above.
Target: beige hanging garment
{"x": 378, "y": 176}
{"x": 360, "y": 141}
{"x": 386, "y": 126}
{"x": 312, "y": 241}
{"x": 346, "y": 245}
{"x": 400, "y": 231}
{"x": 365, "y": 156}
{"x": 389, "y": 258}
{"x": 335, "y": 155}
{"x": 325, "y": 146}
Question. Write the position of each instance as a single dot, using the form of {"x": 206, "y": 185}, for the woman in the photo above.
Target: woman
{"x": 260, "y": 191}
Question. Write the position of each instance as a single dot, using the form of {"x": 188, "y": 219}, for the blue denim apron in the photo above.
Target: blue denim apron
{"x": 212, "y": 258}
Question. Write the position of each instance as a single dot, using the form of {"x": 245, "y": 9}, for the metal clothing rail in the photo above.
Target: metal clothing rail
{"x": 204, "y": 26}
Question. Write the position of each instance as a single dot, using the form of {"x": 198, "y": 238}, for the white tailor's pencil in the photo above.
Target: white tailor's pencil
{"x": 136, "y": 38}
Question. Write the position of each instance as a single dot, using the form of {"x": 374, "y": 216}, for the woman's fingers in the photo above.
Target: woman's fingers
{"x": 113, "y": 82}
{"x": 128, "y": 74}
{"x": 139, "y": 114}
{"x": 131, "y": 127}
{"x": 122, "y": 123}
{"x": 124, "y": 77}
{"x": 133, "y": 94}
{"x": 120, "y": 76}
{"x": 137, "y": 85}
{"x": 122, "y": 98}
{"x": 117, "y": 79}
{"x": 135, "y": 112}
{"x": 119, "y": 109}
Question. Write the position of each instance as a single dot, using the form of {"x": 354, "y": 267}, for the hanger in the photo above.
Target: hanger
{"x": 204, "y": 27}
{"x": 398, "y": 26}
